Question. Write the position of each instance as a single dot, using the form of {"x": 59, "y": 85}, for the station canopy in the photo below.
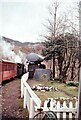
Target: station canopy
{"x": 34, "y": 57}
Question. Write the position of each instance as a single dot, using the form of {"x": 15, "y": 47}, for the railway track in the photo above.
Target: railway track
{"x": 12, "y": 104}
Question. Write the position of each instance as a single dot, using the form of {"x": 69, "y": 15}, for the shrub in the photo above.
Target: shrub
{"x": 72, "y": 83}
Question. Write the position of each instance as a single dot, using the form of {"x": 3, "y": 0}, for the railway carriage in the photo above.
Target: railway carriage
{"x": 0, "y": 72}
{"x": 8, "y": 70}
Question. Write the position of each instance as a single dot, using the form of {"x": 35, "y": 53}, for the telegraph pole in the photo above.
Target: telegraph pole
{"x": 79, "y": 98}
{"x": 79, "y": 92}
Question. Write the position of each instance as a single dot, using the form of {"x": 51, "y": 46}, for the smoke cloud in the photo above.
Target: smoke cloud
{"x": 7, "y": 52}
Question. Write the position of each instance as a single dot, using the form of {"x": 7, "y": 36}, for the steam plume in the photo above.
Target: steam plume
{"x": 7, "y": 52}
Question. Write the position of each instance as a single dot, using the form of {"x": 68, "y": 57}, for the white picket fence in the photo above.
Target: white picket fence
{"x": 63, "y": 107}
{"x": 30, "y": 99}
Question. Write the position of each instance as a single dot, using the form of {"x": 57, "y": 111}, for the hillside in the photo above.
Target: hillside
{"x": 25, "y": 47}
{"x": 14, "y": 47}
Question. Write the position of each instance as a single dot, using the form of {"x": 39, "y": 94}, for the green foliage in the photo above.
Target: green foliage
{"x": 72, "y": 83}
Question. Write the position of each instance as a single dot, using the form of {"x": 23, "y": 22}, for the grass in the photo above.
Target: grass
{"x": 44, "y": 95}
{"x": 66, "y": 91}
{"x": 24, "y": 111}
{"x": 71, "y": 90}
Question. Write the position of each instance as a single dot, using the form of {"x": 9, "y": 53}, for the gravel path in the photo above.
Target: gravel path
{"x": 12, "y": 104}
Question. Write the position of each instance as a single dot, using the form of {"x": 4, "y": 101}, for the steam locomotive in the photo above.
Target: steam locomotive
{"x": 10, "y": 70}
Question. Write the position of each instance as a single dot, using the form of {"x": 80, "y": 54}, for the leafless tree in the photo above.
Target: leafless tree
{"x": 62, "y": 39}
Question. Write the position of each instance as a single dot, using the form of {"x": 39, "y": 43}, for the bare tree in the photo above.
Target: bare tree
{"x": 62, "y": 41}
{"x": 52, "y": 29}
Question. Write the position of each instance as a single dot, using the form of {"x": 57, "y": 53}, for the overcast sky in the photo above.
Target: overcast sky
{"x": 23, "y": 20}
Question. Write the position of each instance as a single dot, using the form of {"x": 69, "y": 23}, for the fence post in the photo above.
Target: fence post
{"x": 58, "y": 106}
{"x": 24, "y": 98}
{"x": 76, "y": 105}
{"x": 70, "y": 106}
{"x": 64, "y": 113}
{"x": 31, "y": 112}
{"x": 45, "y": 104}
{"x": 22, "y": 88}
{"x": 28, "y": 100}
{"x": 52, "y": 104}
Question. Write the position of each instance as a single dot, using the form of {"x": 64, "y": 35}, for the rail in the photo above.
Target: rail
{"x": 64, "y": 107}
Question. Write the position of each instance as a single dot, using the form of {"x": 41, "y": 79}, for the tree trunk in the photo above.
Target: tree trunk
{"x": 53, "y": 66}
